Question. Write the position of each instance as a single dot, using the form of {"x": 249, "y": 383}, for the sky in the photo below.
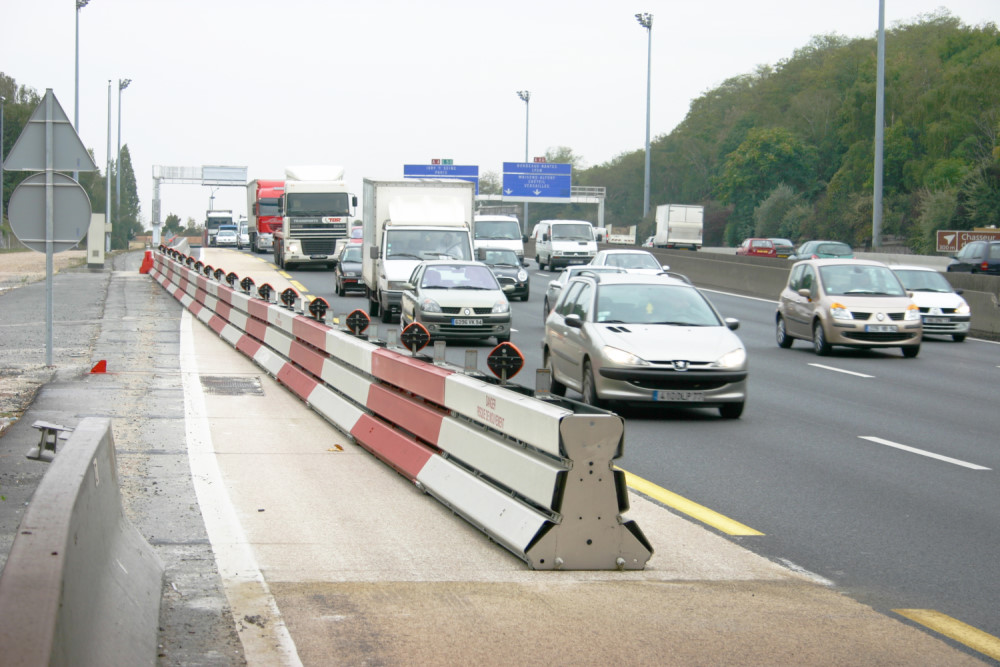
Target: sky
{"x": 372, "y": 85}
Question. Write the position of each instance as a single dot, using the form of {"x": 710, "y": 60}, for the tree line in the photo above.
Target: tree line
{"x": 20, "y": 102}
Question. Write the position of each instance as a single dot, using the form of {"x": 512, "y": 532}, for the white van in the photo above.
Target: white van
{"x": 561, "y": 243}
{"x": 498, "y": 232}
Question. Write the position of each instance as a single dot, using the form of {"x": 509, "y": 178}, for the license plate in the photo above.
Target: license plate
{"x": 937, "y": 320}
{"x": 679, "y": 396}
{"x": 881, "y": 328}
{"x": 318, "y": 256}
{"x": 467, "y": 322}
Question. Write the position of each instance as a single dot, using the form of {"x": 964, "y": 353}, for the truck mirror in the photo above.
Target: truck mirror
{"x": 373, "y": 252}
{"x": 354, "y": 201}
{"x": 481, "y": 254}
{"x": 545, "y": 237}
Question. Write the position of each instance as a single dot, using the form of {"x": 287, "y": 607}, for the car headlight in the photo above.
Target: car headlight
{"x": 621, "y": 357}
{"x": 522, "y": 276}
{"x": 501, "y": 306}
{"x": 840, "y": 312}
{"x": 912, "y": 313}
{"x": 732, "y": 359}
{"x": 963, "y": 309}
{"x": 429, "y": 305}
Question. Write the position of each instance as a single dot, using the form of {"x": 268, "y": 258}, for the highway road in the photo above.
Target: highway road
{"x": 875, "y": 473}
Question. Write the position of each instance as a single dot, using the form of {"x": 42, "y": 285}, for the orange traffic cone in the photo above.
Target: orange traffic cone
{"x": 147, "y": 262}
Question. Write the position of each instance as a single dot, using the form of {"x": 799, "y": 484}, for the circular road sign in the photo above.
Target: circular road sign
{"x": 70, "y": 212}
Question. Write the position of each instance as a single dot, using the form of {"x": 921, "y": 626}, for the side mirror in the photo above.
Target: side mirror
{"x": 524, "y": 239}
{"x": 545, "y": 237}
{"x": 374, "y": 252}
{"x": 481, "y": 254}
{"x": 732, "y": 323}
{"x": 573, "y": 320}
{"x": 806, "y": 292}
{"x": 666, "y": 267}
{"x": 354, "y": 201}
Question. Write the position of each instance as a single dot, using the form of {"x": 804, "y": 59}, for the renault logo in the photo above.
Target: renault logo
{"x": 467, "y": 311}
{"x": 680, "y": 365}
{"x": 880, "y": 316}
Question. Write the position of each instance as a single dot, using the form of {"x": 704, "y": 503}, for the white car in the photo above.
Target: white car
{"x": 456, "y": 299}
{"x": 226, "y": 237}
{"x": 633, "y": 261}
{"x": 943, "y": 311}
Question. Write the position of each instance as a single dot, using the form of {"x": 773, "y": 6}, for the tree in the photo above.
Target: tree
{"x": 489, "y": 183}
{"x": 172, "y": 225}
{"x": 126, "y": 224}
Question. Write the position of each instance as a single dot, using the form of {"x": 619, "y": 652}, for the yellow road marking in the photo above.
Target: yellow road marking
{"x": 299, "y": 287}
{"x": 689, "y": 507}
{"x": 961, "y": 632}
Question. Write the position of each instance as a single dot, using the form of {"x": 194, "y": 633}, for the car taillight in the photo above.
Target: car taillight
{"x": 985, "y": 266}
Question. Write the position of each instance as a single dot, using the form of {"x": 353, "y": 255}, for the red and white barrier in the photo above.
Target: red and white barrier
{"x": 535, "y": 476}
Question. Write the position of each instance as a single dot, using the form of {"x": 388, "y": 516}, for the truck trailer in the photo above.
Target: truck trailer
{"x": 316, "y": 210}
{"x": 264, "y": 212}
{"x": 679, "y": 225}
{"x": 406, "y": 222}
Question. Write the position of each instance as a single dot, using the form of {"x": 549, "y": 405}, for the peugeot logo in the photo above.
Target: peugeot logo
{"x": 880, "y": 316}
{"x": 680, "y": 365}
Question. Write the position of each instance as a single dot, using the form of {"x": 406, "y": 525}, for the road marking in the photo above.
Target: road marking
{"x": 689, "y": 507}
{"x": 963, "y": 633}
{"x": 922, "y": 452}
{"x": 841, "y": 370}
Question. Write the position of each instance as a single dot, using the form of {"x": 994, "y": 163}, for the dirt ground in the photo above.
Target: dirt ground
{"x": 20, "y": 268}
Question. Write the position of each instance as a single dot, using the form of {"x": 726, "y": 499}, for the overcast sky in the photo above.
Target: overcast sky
{"x": 376, "y": 84}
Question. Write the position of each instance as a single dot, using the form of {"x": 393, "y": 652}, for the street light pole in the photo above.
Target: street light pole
{"x": 879, "y": 130}
{"x": 107, "y": 177}
{"x": 525, "y": 96}
{"x": 80, "y": 4}
{"x": 122, "y": 85}
{"x": 646, "y": 21}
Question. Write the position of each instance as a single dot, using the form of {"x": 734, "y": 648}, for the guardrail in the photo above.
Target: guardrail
{"x": 536, "y": 476}
{"x": 81, "y": 586}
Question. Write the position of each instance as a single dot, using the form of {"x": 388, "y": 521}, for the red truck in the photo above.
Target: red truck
{"x": 264, "y": 212}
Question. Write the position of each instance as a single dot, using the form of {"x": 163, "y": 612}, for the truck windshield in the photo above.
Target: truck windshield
{"x": 579, "y": 232}
{"x": 329, "y": 204}
{"x": 506, "y": 230}
{"x": 427, "y": 244}
{"x": 269, "y": 207}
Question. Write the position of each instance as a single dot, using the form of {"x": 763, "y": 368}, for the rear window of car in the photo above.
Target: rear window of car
{"x": 837, "y": 249}
{"x": 994, "y": 251}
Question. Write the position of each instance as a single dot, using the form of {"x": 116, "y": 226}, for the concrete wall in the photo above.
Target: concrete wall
{"x": 81, "y": 586}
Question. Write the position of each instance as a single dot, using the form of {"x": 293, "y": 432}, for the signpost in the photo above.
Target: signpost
{"x": 49, "y": 210}
{"x": 951, "y": 241}
{"x": 448, "y": 171}
{"x": 545, "y": 182}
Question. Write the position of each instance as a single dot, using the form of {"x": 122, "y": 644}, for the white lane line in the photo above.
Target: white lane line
{"x": 262, "y": 630}
{"x": 923, "y": 452}
{"x": 841, "y": 370}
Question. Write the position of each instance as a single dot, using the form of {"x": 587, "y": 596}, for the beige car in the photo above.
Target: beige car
{"x": 849, "y": 302}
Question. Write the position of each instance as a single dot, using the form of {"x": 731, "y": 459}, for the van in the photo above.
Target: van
{"x": 495, "y": 232}
{"x": 562, "y": 243}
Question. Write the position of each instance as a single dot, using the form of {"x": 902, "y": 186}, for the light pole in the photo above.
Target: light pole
{"x": 879, "y": 130}
{"x": 80, "y": 4}
{"x": 122, "y": 85}
{"x": 646, "y": 21}
{"x": 525, "y": 96}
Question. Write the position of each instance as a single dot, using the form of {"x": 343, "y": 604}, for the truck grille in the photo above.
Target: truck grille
{"x": 318, "y": 246}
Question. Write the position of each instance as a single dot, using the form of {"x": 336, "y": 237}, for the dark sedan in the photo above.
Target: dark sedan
{"x": 977, "y": 257}
{"x": 508, "y": 269}
{"x": 347, "y": 274}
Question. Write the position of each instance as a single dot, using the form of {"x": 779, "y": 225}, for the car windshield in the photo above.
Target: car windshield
{"x": 923, "y": 281}
{"x": 506, "y": 230}
{"x": 572, "y": 232}
{"x": 427, "y": 244}
{"x": 860, "y": 280}
{"x": 351, "y": 254}
{"x": 459, "y": 276}
{"x": 677, "y": 305}
{"x": 833, "y": 249}
{"x": 501, "y": 258}
{"x": 782, "y": 242}
{"x": 632, "y": 260}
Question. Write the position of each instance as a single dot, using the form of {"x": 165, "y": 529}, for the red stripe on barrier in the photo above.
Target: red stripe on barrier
{"x": 407, "y": 456}
{"x": 301, "y": 384}
{"x": 257, "y": 329}
{"x": 217, "y": 324}
{"x": 411, "y": 374}
{"x": 310, "y": 331}
{"x": 224, "y": 310}
{"x": 248, "y": 346}
{"x": 307, "y": 357}
{"x": 418, "y": 418}
{"x": 226, "y": 294}
{"x": 257, "y": 308}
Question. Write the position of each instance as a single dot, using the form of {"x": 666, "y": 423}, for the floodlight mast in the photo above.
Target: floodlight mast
{"x": 646, "y": 21}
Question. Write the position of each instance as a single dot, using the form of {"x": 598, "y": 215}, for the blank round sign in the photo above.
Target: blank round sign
{"x": 70, "y": 214}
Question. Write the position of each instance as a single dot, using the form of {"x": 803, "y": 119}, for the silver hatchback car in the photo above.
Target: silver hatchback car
{"x": 639, "y": 338}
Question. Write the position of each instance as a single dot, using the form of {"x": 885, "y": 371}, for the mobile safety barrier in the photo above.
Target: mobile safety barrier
{"x": 81, "y": 586}
{"x": 535, "y": 475}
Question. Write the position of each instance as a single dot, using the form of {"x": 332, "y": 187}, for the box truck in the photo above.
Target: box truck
{"x": 316, "y": 210}
{"x": 679, "y": 225}
{"x": 406, "y": 222}
{"x": 213, "y": 219}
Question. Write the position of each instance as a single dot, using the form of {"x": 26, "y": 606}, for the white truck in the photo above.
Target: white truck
{"x": 317, "y": 207}
{"x": 498, "y": 231}
{"x": 406, "y": 222}
{"x": 214, "y": 218}
{"x": 679, "y": 225}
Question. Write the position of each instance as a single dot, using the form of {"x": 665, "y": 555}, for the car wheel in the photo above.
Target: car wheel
{"x": 386, "y": 314}
{"x": 820, "y": 346}
{"x": 731, "y": 410}
{"x": 525, "y": 297}
{"x": 545, "y": 309}
{"x": 589, "y": 388}
{"x": 781, "y": 335}
{"x": 503, "y": 339}
{"x": 910, "y": 351}
{"x": 556, "y": 388}
{"x": 958, "y": 338}
{"x": 340, "y": 289}
{"x": 541, "y": 264}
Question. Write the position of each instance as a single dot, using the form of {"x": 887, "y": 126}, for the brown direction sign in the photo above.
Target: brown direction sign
{"x": 951, "y": 241}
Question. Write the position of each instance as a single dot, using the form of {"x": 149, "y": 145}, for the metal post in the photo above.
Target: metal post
{"x": 525, "y": 96}
{"x": 879, "y": 130}
{"x": 646, "y": 21}
{"x": 49, "y": 223}
{"x": 80, "y": 4}
{"x": 107, "y": 179}
{"x": 122, "y": 85}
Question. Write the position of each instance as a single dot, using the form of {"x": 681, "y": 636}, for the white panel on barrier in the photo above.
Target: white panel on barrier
{"x": 346, "y": 381}
{"x": 507, "y": 521}
{"x": 350, "y": 350}
{"x": 523, "y": 417}
{"x": 528, "y": 473}
{"x": 337, "y": 410}
{"x": 269, "y": 361}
